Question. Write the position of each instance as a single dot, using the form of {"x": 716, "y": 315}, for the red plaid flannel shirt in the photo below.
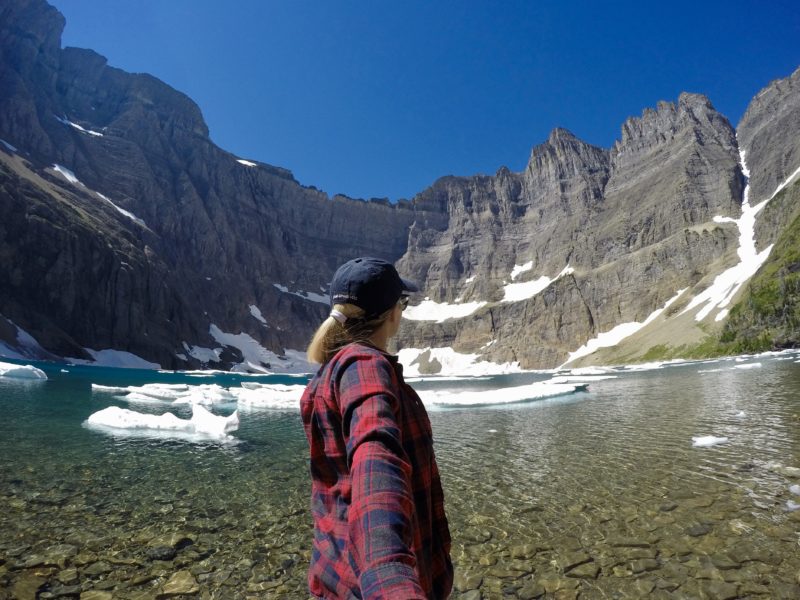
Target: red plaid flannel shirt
{"x": 380, "y": 529}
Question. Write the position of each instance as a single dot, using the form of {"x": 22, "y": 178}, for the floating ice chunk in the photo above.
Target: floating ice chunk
{"x": 792, "y": 506}
{"x": 708, "y": 440}
{"x": 256, "y": 312}
{"x": 795, "y": 489}
{"x": 510, "y": 395}
{"x": 246, "y": 163}
{"x": 741, "y": 414}
{"x": 9, "y": 146}
{"x": 274, "y": 396}
{"x": 428, "y": 310}
{"x": 206, "y": 395}
{"x": 311, "y": 296}
{"x": 12, "y": 371}
{"x": 202, "y": 421}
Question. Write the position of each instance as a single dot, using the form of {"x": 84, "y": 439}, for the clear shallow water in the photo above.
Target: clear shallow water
{"x": 594, "y": 495}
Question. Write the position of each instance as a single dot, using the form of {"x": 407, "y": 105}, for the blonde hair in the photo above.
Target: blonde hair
{"x": 332, "y": 335}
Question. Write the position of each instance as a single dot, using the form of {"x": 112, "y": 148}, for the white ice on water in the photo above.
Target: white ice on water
{"x": 202, "y": 422}
{"x": 617, "y": 334}
{"x": 795, "y": 489}
{"x": 705, "y": 441}
{"x": 310, "y": 296}
{"x": 507, "y": 395}
{"x": 12, "y": 371}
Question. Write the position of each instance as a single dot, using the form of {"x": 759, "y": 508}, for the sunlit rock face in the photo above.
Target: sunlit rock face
{"x": 124, "y": 227}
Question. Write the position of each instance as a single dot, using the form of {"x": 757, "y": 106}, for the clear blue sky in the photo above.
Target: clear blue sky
{"x": 380, "y": 98}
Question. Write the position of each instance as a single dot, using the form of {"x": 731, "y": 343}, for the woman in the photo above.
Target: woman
{"x": 380, "y": 529}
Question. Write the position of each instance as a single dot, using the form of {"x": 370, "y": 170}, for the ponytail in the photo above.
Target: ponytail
{"x": 333, "y": 335}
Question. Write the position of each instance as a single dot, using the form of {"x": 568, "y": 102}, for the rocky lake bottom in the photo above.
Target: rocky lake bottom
{"x": 601, "y": 494}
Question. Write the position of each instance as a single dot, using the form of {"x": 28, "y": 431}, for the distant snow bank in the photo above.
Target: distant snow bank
{"x": 65, "y": 121}
{"x": 428, "y": 310}
{"x": 12, "y": 371}
{"x": 9, "y": 146}
{"x": 246, "y": 163}
{"x": 453, "y": 363}
{"x": 514, "y": 292}
{"x": 617, "y": 334}
{"x": 115, "y": 358}
{"x": 310, "y": 296}
{"x": 122, "y": 211}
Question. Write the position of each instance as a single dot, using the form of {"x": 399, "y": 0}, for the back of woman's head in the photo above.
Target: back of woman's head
{"x": 347, "y": 327}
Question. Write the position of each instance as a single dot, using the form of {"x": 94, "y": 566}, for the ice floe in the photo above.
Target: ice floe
{"x": 28, "y": 372}
{"x": 310, "y": 296}
{"x": 514, "y": 292}
{"x": 452, "y": 363}
{"x": 65, "y": 121}
{"x": 795, "y": 489}
{"x": 273, "y": 396}
{"x": 508, "y": 395}
{"x": 705, "y": 441}
{"x": 615, "y": 335}
{"x": 428, "y": 310}
{"x": 202, "y": 423}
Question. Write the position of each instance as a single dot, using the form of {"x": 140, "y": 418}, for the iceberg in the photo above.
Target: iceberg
{"x": 275, "y": 396}
{"x": 510, "y": 395}
{"x": 707, "y": 440}
{"x": 28, "y": 372}
{"x": 202, "y": 422}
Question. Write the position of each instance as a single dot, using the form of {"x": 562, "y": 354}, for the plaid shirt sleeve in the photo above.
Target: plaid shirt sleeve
{"x": 382, "y": 504}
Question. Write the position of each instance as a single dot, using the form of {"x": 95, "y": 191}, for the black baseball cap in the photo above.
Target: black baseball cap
{"x": 372, "y": 284}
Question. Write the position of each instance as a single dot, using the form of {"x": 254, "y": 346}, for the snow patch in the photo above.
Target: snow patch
{"x": 115, "y": 358}
{"x": 519, "y": 269}
{"x": 12, "y": 371}
{"x": 726, "y": 285}
{"x": 514, "y": 292}
{"x": 453, "y": 363}
{"x": 254, "y": 310}
{"x": 65, "y": 121}
{"x": 26, "y": 346}
{"x": 67, "y": 174}
{"x": 428, "y": 310}
{"x": 255, "y": 356}
{"x": 122, "y": 211}
{"x": 618, "y": 333}
{"x": 311, "y": 296}
{"x": 7, "y": 145}
{"x": 246, "y": 163}
{"x": 469, "y": 279}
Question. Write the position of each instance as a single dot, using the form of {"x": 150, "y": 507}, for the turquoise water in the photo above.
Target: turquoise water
{"x": 598, "y": 494}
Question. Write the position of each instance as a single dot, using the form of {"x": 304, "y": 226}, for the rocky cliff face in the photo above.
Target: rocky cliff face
{"x": 125, "y": 227}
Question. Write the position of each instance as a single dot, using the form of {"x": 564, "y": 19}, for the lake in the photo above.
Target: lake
{"x": 600, "y": 493}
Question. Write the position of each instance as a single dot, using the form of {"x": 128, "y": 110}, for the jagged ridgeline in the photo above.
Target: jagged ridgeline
{"x": 123, "y": 227}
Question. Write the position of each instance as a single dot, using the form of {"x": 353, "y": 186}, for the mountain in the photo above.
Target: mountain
{"x": 125, "y": 228}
